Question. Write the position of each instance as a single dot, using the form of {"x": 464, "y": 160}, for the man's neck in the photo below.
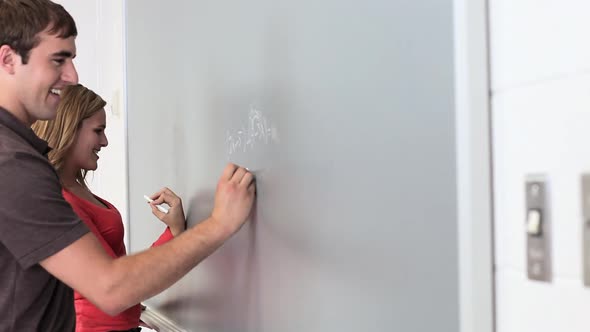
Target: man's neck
{"x": 17, "y": 111}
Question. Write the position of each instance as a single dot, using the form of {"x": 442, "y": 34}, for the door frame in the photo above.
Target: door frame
{"x": 474, "y": 166}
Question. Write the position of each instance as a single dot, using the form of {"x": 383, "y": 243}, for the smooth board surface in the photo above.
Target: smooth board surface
{"x": 344, "y": 111}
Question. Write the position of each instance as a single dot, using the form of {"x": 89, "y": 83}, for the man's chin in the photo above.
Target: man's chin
{"x": 47, "y": 115}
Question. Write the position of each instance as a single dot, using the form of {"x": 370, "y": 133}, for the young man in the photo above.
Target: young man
{"x": 45, "y": 250}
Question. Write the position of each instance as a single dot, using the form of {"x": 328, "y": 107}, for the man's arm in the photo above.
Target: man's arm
{"x": 116, "y": 284}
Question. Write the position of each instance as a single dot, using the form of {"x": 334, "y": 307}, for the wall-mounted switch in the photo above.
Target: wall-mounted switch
{"x": 533, "y": 222}
{"x": 538, "y": 229}
{"x": 586, "y": 227}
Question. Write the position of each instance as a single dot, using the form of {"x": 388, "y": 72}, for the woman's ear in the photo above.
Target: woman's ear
{"x": 8, "y": 58}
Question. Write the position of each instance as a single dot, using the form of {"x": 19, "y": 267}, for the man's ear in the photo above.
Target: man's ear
{"x": 8, "y": 59}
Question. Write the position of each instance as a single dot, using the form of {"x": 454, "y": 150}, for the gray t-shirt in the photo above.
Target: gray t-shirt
{"x": 35, "y": 223}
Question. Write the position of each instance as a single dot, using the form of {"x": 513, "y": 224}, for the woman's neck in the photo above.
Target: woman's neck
{"x": 68, "y": 179}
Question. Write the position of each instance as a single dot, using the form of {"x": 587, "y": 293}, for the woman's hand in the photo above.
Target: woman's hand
{"x": 174, "y": 219}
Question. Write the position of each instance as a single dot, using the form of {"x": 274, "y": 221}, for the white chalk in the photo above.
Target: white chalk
{"x": 159, "y": 207}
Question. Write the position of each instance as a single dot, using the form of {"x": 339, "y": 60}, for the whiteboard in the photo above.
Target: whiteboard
{"x": 344, "y": 110}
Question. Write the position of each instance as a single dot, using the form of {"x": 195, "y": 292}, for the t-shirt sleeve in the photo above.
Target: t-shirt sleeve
{"x": 35, "y": 220}
{"x": 165, "y": 237}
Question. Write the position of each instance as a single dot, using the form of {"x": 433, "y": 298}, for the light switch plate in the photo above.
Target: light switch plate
{"x": 586, "y": 227}
{"x": 538, "y": 249}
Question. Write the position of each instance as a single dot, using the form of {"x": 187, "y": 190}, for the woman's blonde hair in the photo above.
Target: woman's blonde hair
{"x": 77, "y": 104}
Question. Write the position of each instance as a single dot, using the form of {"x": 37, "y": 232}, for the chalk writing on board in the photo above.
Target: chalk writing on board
{"x": 257, "y": 130}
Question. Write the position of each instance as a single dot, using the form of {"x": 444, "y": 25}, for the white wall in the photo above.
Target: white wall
{"x": 540, "y": 61}
{"x": 540, "y": 74}
{"x": 100, "y": 63}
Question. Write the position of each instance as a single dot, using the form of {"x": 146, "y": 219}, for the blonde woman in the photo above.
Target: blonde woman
{"x": 76, "y": 137}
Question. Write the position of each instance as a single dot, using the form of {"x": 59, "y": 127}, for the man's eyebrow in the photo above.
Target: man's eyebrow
{"x": 66, "y": 54}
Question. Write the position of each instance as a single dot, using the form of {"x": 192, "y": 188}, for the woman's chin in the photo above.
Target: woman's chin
{"x": 91, "y": 167}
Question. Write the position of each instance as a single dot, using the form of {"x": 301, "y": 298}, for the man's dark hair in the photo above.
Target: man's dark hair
{"x": 21, "y": 21}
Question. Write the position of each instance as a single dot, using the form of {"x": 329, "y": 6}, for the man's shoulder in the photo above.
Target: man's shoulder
{"x": 11, "y": 142}
{"x": 19, "y": 160}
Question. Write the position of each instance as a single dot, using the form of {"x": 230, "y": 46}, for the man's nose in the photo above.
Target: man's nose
{"x": 70, "y": 74}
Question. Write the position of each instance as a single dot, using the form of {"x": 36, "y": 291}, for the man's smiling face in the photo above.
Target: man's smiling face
{"x": 39, "y": 82}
